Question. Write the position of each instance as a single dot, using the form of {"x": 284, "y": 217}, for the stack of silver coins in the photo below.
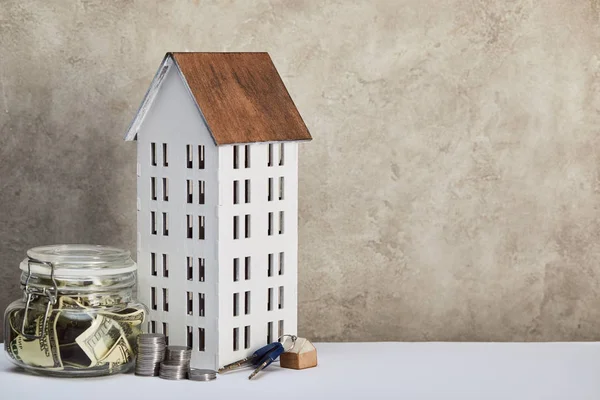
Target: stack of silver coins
{"x": 202, "y": 374}
{"x": 150, "y": 353}
{"x": 176, "y": 363}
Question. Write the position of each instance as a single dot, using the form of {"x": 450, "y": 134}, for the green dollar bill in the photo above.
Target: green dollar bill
{"x": 118, "y": 355}
{"x": 41, "y": 352}
{"x": 99, "y": 339}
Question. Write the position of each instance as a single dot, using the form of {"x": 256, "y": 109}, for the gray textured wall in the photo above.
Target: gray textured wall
{"x": 452, "y": 188}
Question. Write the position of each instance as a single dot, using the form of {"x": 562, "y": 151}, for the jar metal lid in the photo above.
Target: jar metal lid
{"x": 71, "y": 260}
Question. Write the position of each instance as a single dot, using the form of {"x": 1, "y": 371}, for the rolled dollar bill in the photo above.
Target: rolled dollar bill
{"x": 100, "y": 338}
{"x": 42, "y": 352}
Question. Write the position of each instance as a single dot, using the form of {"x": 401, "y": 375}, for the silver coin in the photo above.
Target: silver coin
{"x": 202, "y": 374}
{"x": 150, "y": 353}
{"x": 173, "y": 371}
{"x": 151, "y": 338}
{"x": 137, "y": 373}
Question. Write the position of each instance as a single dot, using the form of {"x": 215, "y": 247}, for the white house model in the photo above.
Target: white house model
{"x": 217, "y": 204}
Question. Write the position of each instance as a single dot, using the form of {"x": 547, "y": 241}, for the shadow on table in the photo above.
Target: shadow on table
{"x": 13, "y": 369}
{"x": 16, "y": 370}
{"x": 270, "y": 371}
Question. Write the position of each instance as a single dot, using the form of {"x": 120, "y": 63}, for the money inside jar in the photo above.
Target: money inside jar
{"x": 90, "y": 333}
{"x": 76, "y": 337}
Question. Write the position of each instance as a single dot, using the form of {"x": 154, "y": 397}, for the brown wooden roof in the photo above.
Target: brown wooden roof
{"x": 242, "y": 97}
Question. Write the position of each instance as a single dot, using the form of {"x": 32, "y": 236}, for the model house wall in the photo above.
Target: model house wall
{"x": 174, "y": 121}
{"x": 258, "y": 270}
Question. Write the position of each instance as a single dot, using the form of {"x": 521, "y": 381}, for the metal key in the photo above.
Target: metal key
{"x": 255, "y": 359}
{"x": 268, "y": 359}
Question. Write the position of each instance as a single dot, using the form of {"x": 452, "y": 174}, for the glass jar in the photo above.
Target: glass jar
{"x": 78, "y": 315}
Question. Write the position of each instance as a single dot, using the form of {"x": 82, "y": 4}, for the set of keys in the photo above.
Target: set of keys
{"x": 261, "y": 358}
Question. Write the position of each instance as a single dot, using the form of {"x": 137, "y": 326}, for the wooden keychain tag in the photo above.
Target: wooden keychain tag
{"x": 302, "y": 355}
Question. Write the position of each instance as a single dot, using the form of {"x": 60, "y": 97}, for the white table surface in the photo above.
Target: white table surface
{"x": 462, "y": 371}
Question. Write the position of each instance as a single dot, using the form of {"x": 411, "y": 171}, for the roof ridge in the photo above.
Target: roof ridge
{"x": 218, "y": 52}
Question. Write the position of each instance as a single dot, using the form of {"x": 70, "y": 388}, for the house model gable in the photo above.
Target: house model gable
{"x": 240, "y": 96}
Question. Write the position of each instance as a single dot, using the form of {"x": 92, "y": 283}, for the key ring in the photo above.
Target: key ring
{"x": 292, "y": 337}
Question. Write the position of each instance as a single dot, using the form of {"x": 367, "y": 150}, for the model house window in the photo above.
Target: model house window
{"x": 247, "y": 226}
{"x": 270, "y": 265}
{"x": 153, "y": 326}
{"x": 201, "y": 304}
{"x": 270, "y": 332}
{"x": 190, "y": 191}
{"x": 270, "y": 224}
{"x": 269, "y": 299}
{"x": 247, "y": 191}
{"x": 281, "y": 331}
{"x": 201, "y": 346}
{"x": 201, "y": 156}
{"x": 153, "y": 263}
{"x": 281, "y": 259}
{"x": 236, "y": 339}
{"x": 189, "y": 156}
{"x": 281, "y": 220}
{"x": 236, "y": 304}
{"x": 190, "y": 303}
{"x": 165, "y": 299}
{"x": 153, "y": 222}
{"x": 280, "y": 297}
{"x": 247, "y": 268}
{"x": 235, "y": 226}
{"x": 190, "y": 269}
{"x": 247, "y": 303}
{"x": 165, "y": 266}
{"x": 281, "y": 154}
{"x": 190, "y": 227}
{"x": 201, "y": 270}
{"x": 165, "y": 224}
{"x": 236, "y": 269}
{"x": 281, "y": 188}
{"x": 247, "y": 156}
{"x": 153, "y": 153}
{"x": 190, "y": 337}
{"x": 165, "y": 158}
{"x": 201, "y": 192}
{"x": 270, "y": 190}
{"x": 236, "y": 157}
{"x": 247, "y": 337}
{"x": 165, "y": 189}
{"x": 201, "y": 228}
{"x": 270, "y": 155}
{"x": 236, "y": 191}
{"x": 153, "y": 188}
{"x": 166, "y": 332}
{"x": 153, "y": 297}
